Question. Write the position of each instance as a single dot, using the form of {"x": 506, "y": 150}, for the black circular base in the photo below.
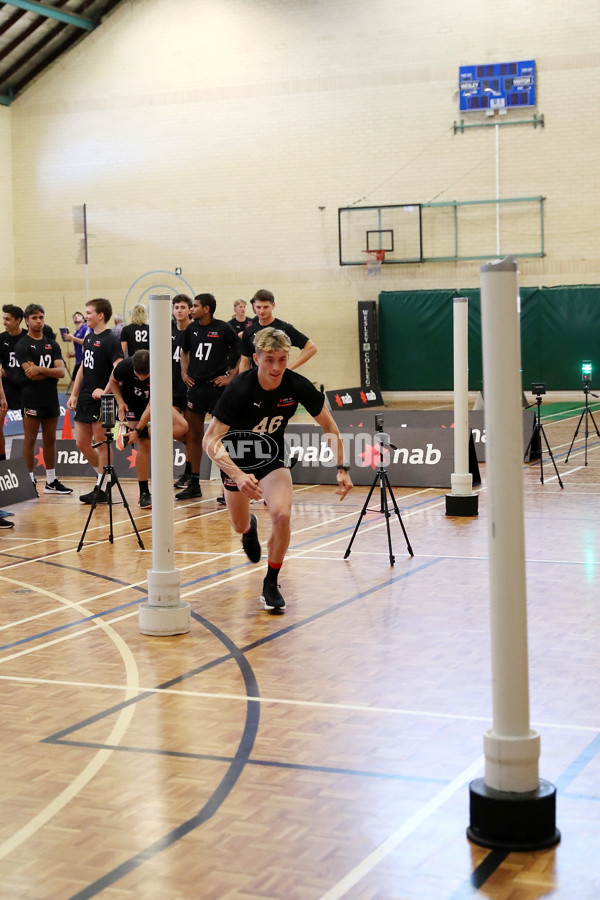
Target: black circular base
{"x": 505, "y": 820}
{"x": 462, "y": 506}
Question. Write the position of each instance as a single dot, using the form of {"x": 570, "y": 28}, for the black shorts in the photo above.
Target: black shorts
{"x": 203, "y": 398}
{"x": 180, "y": 400}
{"x": 12, "y": 393}
{"x": 230, "y": 485}
{"x": 87, "y": 412}
{"x": 50, "y": 411}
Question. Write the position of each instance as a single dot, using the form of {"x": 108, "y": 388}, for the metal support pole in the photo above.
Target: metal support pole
{"x": 164, "y": 613}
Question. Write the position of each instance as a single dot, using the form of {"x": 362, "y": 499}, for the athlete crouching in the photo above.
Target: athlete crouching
{"x": 246, "y": 440}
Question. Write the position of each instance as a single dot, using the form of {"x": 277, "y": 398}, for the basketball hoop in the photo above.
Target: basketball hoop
{"x": 374, "y": 260}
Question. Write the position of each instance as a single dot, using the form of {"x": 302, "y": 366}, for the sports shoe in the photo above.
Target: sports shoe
{"x": 221, "y": 500}
{"x": 251, "y": 543}
{"x": 55, "y": 487}
{"x": 94, "y": 496}
{"x": 271, "y": 597}
{"x": 183, "y": 480}
{"x": 5, "y": 523}
{"x": 145, "y": 501}
{"x": 190, "y": 492}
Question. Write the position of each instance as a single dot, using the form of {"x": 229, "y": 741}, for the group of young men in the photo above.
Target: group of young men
{"x": 239, "y": 372}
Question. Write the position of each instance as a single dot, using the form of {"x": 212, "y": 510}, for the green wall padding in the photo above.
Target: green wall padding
{"x": 560, "y": 326}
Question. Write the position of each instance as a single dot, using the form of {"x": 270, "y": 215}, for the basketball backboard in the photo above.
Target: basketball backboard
{"x": 395, "y": 229}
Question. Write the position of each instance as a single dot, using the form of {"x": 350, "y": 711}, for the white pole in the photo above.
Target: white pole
{"x": 497, "y": 192}
{"x": 164, "y": 613}
{"x": 512, "y": 749}
{"x": 461, "y": 501}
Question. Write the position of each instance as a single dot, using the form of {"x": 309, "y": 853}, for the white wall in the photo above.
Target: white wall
{"x": 207, "y": 135}
{"x": 7, "y": 251}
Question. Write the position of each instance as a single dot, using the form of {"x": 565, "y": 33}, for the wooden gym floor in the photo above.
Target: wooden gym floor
{"x": 321, "y": 754}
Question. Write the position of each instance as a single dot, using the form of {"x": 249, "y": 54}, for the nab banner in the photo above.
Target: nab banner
{"x": 353, "y": 398}
{"x": 70, "y": 462}
{"x": 419, "y": 456}
{"x": 15, "y": 483}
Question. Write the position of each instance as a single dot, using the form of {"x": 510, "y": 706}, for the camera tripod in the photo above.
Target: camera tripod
{"x": 535, "y": 441}
{"x": 110, "y": 479}
{"x": 382, "y": 480}
{"x": 586, "y": 414}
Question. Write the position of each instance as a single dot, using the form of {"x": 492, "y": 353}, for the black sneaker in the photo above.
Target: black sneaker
{"x": 251, "y": 543}
{"x": 55, "y": 487}
{"x": 271, "y": 597}
{"x": 145, "y": 501}
{"x": 221, "y": 500}
{"x": 6, "y": 523}
{"x": 96, "y": 496}
{"x": 183, "y": 480}
{"x": 190, "y": 492}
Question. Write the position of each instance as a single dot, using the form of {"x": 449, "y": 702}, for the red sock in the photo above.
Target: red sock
{"x": 272, "y": 571}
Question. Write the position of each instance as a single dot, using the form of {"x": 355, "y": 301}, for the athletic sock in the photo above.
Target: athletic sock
{"x": 273, "y": 572}
{"x": 50, "y": 475}
{"x": 144, "y": 489}
{"x": 32, "y": 476}
{"x": 194, "y": 478}
{"x": 188, "y": 468}
{"x": 2, "y": 456}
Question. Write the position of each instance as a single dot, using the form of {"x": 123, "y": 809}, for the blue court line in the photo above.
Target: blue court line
{"x": 261, "y": 763}
{"x": 266, "y": 639}
{"x": 222, "y": 790}
{"x": 578, "y": 765}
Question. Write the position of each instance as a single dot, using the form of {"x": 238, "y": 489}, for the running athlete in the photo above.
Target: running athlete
{"x": 256, "y": 409}
{"x": 130, "y": 383}
{"x": 101, "y": 352}
{"x": 136, "y": 336}
{"x": 204, "y": 369}
{"x": 41, "y": 361}
{"x": 182, "y": 317}
{"x": 263, "y": 303}
{"x": 12, "y": 373}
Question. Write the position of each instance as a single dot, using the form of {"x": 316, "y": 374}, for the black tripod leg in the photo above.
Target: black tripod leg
{"x": 116, "y": 483}
{"x": 551, "y": 456}
{"x": 574, "y": 436}
{"x": 360, "y": 518}
{"x": 594, "y": 421}
{"x": 385, "y": 510}
{"x": 397, "y": 511}
{"x": 80, "y": 544}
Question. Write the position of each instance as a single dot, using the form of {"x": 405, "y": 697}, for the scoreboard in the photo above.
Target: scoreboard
{"x": 497, "y": 86}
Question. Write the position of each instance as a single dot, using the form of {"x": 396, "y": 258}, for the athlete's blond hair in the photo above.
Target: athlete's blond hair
{"x": 272, "y": 339}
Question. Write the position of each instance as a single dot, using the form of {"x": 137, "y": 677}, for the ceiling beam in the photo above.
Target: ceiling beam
{"x": 52, "y": 12}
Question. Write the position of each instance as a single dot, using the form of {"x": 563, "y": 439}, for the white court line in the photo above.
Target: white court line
{"x": 404, "y": 831}
{"x": 287, "y": 701}
{"x": 47, "y": 813}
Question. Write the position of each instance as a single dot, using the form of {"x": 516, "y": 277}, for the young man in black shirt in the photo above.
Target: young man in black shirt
{"x": 130, "y": 383}
{"x": 12, "y": 373}
{"x": 255, "y": 410}
{"x": 263, "y": 303}
{"x": 41, "y": 360}
{"x": 182, "y": 317}
{"x": 101, "y": 352}
{"x": 240, "y": 321}
{"x": 205, "y": 350}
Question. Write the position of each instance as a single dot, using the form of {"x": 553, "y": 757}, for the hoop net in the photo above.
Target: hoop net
{"x": 374, "y": 259}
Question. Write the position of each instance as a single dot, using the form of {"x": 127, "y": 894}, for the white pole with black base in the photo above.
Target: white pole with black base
{"x": 164, "y": 613}
{"x": 511, "y": 808}
{"x": 461, "y": 501}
